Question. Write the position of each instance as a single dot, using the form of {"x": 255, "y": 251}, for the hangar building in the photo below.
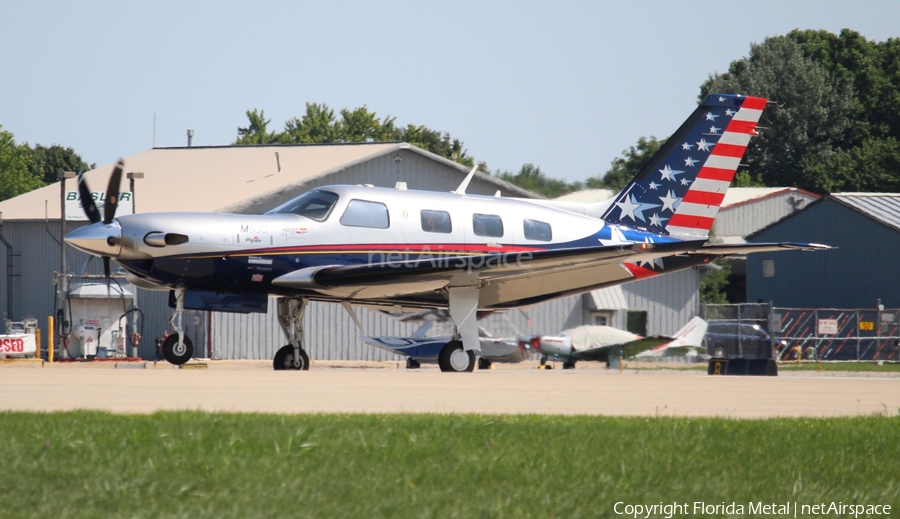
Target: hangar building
{"x": 866, "y": 229}
{"x": 254, "y": 179}
{"x": 748, "y": 210}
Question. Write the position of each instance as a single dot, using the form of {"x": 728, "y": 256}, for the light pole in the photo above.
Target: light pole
{"x": 134, "y": 343}
{"x": 62, "y": 284}
{"x": 131, "y": 177}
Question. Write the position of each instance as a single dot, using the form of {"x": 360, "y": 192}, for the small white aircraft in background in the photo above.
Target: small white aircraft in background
{"x": 466, "y": 254}
{"x": 597, "y": 343}
{"x": 590, "y": 342}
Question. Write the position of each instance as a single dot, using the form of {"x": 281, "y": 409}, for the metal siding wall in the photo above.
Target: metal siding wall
{"x": 670, "y": 300}
{"x": 863, "y": 268}
{"x": 328, "y": 334}
{"x": 750, "y": 217}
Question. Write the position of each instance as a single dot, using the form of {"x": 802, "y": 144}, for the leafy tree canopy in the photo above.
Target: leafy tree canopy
{"x": 532, "y": 178}
{"x": 46, "y": 163}
{"x": 834, "y": 115}
{"x": 15, "y": 163}
{"x": 320, "y": 125}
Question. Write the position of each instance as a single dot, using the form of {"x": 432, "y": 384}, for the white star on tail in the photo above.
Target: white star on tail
{"x": 668, "y": 173}
{"x": 669, "y": 201}
{"x": 634, "y": 209}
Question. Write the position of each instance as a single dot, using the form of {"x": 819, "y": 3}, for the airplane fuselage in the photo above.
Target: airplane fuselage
{"x": 363, "y": 225}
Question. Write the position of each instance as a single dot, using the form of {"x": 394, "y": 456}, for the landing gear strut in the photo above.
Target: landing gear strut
{"x": 177, "y": 348}
{"x": 290, "y": 318}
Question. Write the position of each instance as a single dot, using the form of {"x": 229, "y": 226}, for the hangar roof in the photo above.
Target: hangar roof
{"x": 883, "y": 207}
{"x": 742, "y": 195}
{"x": 216, "y": 177}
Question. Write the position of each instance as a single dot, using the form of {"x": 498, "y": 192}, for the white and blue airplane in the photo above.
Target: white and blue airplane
{"x": 404, "y": 249}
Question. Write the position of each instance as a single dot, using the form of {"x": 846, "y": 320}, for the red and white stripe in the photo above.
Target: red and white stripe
{"x": 698, "y": 208}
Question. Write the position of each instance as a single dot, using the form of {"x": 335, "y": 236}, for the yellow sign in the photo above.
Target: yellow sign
{"x": 866, "y": 325}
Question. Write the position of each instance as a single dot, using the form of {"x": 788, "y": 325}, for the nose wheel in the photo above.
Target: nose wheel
{"x": 284, "y": 359}
{"x": 177, "y": 353}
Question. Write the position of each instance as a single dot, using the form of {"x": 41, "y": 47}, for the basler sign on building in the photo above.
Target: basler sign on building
{"x": 74, "y": 211}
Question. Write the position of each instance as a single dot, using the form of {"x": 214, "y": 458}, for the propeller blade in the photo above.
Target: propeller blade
{"x": 87, "y": 201}
{"x": 112, "y": 194}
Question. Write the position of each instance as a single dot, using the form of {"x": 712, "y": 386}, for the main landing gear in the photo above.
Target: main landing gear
{"x": 454, "y": 359}
{"x": 290, "y": 318}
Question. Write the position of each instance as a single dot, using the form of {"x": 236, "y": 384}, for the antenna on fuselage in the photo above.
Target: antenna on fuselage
{"x": 461, "y": 190}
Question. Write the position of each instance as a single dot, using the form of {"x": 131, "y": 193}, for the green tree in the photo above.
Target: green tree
{"x": 46, "y": 163}
{"x": 533, "y": 179}
{"x": 714, "y": 283}
{"x": 626, "y": 167}
{"x": 873, "y": 166}
{"x": 256, "y": 132}
{"x": 318, "y": 125}
{"x": 809, "y": 111}
{"x": 361, "y": 125}
{"x": 15, "y": 162}
{"x": 439, "y": 143}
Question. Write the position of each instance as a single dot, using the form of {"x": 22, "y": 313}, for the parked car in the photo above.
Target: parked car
{"x": 728, "y": 339}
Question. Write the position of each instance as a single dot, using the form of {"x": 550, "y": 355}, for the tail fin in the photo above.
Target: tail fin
{"x": 690, "y": 335}
{"x": 680, "y": 190}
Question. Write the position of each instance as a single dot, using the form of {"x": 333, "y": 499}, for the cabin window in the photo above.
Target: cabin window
{"x": 539, "y": 231}
{"x": 316, "y": 205}
{"x": 362, "y": 213}
{"x": 487, "y": 225}
{"x": 436, "y": 221}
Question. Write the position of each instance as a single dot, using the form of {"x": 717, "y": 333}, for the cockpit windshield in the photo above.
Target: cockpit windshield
{"x": 314, "y": 204}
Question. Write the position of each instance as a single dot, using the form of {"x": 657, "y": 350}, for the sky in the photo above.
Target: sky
{"x": 566, "y": 86}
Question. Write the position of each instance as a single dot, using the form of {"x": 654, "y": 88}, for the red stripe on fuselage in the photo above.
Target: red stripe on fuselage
{"x": 434, "y": 248}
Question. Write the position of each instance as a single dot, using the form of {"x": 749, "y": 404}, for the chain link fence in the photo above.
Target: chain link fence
{"x": 743, "y": 330}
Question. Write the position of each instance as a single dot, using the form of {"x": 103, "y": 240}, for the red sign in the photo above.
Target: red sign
{"x": 17, "y": 344}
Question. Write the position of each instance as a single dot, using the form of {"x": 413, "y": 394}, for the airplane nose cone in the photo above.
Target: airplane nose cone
{"x": 97, "y": 239}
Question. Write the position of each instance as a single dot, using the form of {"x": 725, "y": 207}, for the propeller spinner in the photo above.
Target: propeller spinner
{"x": 102, "y": 237}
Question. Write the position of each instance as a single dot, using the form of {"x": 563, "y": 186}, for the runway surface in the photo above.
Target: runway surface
{"x": 247, "y": 386}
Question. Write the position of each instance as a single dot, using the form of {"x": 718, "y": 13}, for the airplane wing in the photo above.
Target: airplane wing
{"x": 505, "y": 276}
{"x": 728, "y": 249}
{"x": 629, "y": 349}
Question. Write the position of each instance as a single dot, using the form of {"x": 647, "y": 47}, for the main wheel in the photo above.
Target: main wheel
{"x": 175, "y": 354}
{"x": 412, "y": 363}
{"x": 569, "y": 364}
{"x": 484, "y": 363}
{"x": 453, "y": 358}
{"x": 284, "y": 359}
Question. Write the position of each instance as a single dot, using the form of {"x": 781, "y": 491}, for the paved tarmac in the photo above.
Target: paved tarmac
{"x": 252, "y": 386}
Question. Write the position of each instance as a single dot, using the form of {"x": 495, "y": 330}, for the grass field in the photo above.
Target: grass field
{"x": 90, "y": 464}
